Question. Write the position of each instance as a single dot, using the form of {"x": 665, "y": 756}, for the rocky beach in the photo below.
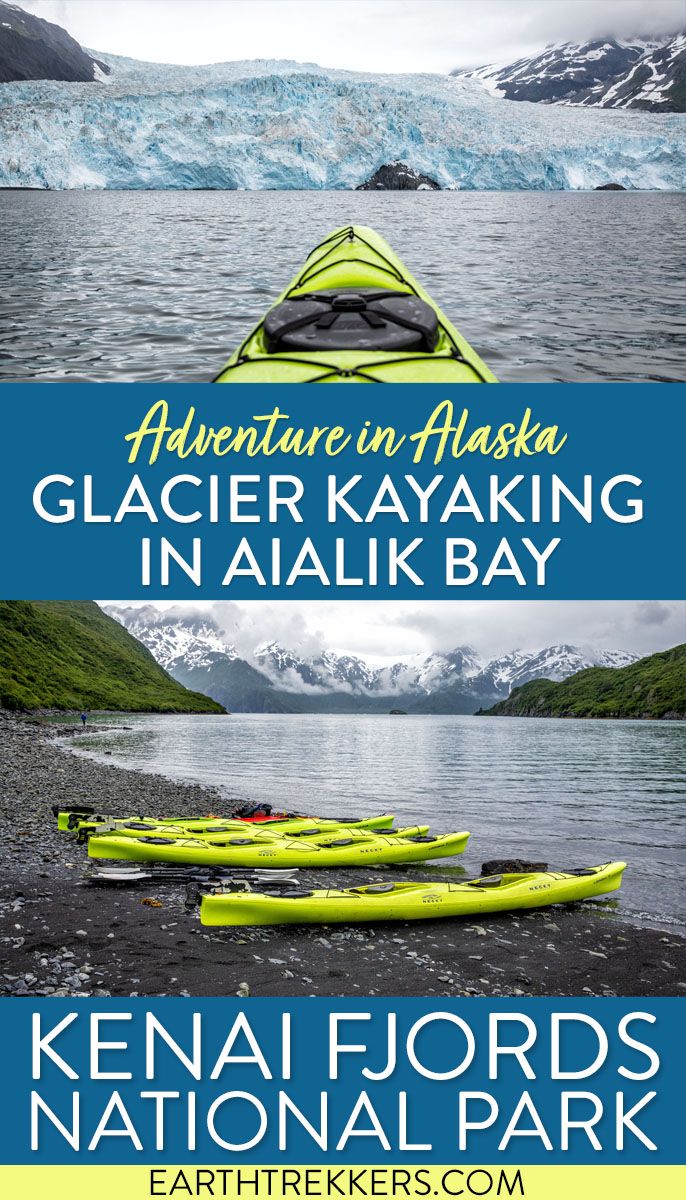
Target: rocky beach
{"x": 61, "y": 936}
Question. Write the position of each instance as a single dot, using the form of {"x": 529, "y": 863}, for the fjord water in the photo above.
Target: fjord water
{"x": 571, "y": 793}
{"x": 160, "y": 286}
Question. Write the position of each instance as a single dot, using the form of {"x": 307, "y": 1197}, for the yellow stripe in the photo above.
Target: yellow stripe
{"x": 277, "y": 1183}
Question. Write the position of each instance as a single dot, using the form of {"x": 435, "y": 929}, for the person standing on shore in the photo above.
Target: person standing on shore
{"x": 84, "y": 718}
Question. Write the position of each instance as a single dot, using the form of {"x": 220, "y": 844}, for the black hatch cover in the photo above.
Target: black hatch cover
{"x": 364, "y": 319}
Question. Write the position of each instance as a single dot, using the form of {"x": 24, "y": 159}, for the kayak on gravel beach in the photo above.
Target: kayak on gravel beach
{"x": 55, "y": 939}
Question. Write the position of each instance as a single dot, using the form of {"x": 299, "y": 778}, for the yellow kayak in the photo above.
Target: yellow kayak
{"x": 95, "y": 823}
{"x": 411, "y": 901}
{"x": 314, "y": 833}
{"x": 341, "y": 851}
{"x": 355, "y": 314}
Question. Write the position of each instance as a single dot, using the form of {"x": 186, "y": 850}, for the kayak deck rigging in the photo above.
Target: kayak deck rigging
{"x": 352, "y": 260}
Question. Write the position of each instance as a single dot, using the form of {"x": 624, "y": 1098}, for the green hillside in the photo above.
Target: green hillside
{"x": 650, "y": 688}
{"x": 69, "y": 654}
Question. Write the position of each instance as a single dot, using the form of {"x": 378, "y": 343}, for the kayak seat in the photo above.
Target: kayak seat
{"x": 342, "y": 842}
{"x": 347, "y": 319}
{"x": 375, "y": 889}
{"x": 137, "y": 825}
{"x": 424, "y": 838}
{"x": 490, "y": 881}
{"x": 157, "y": 841}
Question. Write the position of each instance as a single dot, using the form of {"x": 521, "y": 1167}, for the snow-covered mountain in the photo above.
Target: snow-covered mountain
{"x": 605, "y": 73}
{"x": 554, "y": 662}
{"x": 31, "y": 48}
{"x": 421, "y": 674}
{"x": 656, "y": 83}
{"x": 345, "y": 669}
{"x": 176, "y": 640}
{"x": 274, "y": 678}
{"x": 429, "y": 673}
{"x": 284, "y": 125}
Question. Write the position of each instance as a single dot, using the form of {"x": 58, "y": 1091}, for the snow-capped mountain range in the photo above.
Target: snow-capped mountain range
{"x": 606, "y": 73}
{"x": 285, "y": 125}
{"x": 195, "y": 651}
{"x": 425, "y": 674}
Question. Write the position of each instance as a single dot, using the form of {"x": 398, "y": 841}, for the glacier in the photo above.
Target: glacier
{"x": 285, "y": 125}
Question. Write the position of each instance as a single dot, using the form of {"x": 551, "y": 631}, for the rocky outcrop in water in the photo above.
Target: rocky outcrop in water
{"x": 398, "y": 177}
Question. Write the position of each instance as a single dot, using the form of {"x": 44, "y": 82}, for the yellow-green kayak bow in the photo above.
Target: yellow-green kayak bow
{"x": 355, "y": 314}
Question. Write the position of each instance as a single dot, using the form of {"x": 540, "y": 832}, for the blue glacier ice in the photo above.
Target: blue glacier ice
{"x": 284, "y": 125}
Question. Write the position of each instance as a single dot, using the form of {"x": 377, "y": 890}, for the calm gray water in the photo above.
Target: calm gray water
{"x": 151, "y": 286}
{"x": 573, "y": 793}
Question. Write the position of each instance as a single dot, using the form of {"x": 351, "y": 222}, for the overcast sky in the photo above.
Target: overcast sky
{"x": 380, "y": 630}
{"x": 365, "y": 35}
